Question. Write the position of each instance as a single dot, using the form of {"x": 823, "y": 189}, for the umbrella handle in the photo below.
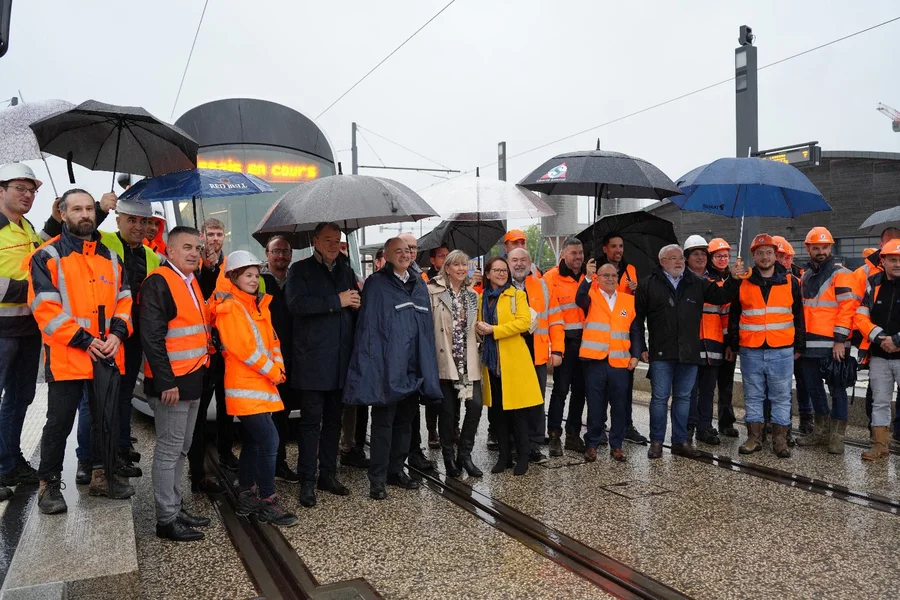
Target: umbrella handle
{"x": 101, "y": 321}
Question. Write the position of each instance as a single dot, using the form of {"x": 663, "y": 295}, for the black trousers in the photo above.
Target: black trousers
{"x": 391, "y": 432}
{"x": 362, "y": 427}
{"x": 62, "y": 404}
{"x": 702, "y": 398}
{"x": 214, "y": 383}
{"x": 133, "y": 362}
{"x": 319, "y": 433}
{"x": 725, "y": 384}
{"x": 567, "y": 375}
{"x": 508, "y": 421}
{"x": 448, "y": 412}
{"x": 537, "y": 421}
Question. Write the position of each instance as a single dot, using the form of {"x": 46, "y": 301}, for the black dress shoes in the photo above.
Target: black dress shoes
{"x": 178, "y": 532}
{"x": 333, "y": 486}
{"x": 655, "y": 450}
{"x": 378, "y": 492}
{"x": 192, "y": 521}
{"x": 418, "y": 461}
{"x": 685, "y": 449}
{"x": 308, "y": 494}
{"x": 403, "y": 480}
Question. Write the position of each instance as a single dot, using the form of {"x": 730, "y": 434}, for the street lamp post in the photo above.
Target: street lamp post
{"x": 746, "y": 102}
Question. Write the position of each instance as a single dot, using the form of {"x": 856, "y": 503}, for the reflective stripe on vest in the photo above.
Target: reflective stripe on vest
{"x": 188, "y": 335}
{"x": 260, "y": 351}
{"x": 63, "y": 296}
{"x": 769, "y": 323}
{"x": 607, "y": 333}
{"x": 243, "y": 394}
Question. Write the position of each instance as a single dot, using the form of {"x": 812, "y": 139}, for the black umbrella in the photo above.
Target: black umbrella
{"x": 351, "y": 201}
{"x": 644, "y": 235}
{"x": 105, "y": 137}
{"x": 475, "y": 238}
{"x": 105, "y": 433}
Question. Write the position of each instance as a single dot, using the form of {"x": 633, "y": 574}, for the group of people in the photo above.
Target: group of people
{"x": 354, "y": 356}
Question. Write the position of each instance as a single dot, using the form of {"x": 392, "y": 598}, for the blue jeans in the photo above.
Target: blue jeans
{"x": 605, "y": 386}
{"x": 767, "y": 369}
{"x": 257, "y": 462}
{"x": 815, "y": 387}
{"x": 19, "y": 361}
{"x": 670, "y": 378}
{"x": 83, "y": 451}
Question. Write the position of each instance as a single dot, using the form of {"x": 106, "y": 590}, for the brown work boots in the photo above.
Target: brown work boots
{"x": 880, "y": 442}
{"x": 754, "y": 439}
{"x": 112, "y": 487}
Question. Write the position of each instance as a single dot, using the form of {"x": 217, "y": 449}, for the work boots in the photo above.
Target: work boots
{"x": 111, "y": 487}
{"x": 880, "y": 441}
{"x": 754, "y": 439}
{"x": 819, "y": 436}
{"x": 807, "y": 425}
{"x": 50, "y": 498}
{"x": 780, "y": 442}
{"x": 836, "y": 440}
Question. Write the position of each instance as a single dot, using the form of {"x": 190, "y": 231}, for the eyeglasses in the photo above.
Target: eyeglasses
{"x": 500, "y": 271}
{"x": 23, "y": 189}
{"x": 280, "y": 252}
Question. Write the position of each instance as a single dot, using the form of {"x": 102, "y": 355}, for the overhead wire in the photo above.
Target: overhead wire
{"x": 671, "y": 100}
{"x": 385, "y": 59}
{"x": 372, "y": 148}
{"x": 399, "y": 145}
{"x": 188, "y": 63}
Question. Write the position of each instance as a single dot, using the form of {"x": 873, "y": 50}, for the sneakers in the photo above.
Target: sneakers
{"x": 270, "y": 511}
{"x": 284, "y": 473}
{"x": 555, "y": 444}
{"x": 634, "y": 436}
{"x": 50, "y": 498}
{"x": 83, "y": 474}
{"x": 247, "y": 502}
{"x": 23, "y": 474}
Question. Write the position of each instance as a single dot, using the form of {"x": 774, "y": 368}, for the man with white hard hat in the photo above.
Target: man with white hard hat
{"x": 20, "y": 339}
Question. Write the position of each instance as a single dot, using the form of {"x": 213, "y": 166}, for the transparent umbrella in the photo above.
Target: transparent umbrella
{"x": 480, "y": 199}
{"x": 17, "y": 140}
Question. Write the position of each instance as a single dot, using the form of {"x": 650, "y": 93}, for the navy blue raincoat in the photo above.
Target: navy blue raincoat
{"x": 394, "y": 354}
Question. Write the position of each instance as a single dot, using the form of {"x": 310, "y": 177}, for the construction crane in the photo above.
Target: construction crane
{"x": 891, "y": 113}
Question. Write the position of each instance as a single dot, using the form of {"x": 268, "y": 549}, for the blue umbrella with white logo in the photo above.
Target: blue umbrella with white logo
{"x": 196, "y": 183}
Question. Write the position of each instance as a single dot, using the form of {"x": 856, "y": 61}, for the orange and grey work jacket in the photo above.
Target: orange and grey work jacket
{"x": 829, "y": 304}
{"x": 71, "y": 284}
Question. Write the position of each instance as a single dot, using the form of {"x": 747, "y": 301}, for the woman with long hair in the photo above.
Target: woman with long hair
{"x": 511, "y": 383}
{"x": 454, "y": 306}
{"x": 253, "y": 368}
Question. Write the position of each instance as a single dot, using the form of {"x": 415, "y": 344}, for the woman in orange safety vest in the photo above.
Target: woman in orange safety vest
{"x": 253, "y": 368}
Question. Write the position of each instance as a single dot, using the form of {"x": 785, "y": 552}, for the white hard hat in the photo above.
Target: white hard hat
{"x": 158, "y": 211}
{"x": 18, "y": 171}
{"x": 695, "y": 241}
{"x": 134, "y": 206}
{"x": 240, "y": 258}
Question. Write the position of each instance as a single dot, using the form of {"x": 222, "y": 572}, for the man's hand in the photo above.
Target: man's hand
{"x": 645, "y": 357}
{"x": 738, "y": 270}
{"x": 838, "y": 351}
{"x": 111, "y": 346}
{"x": 96, "y": 349}
{"x": 632, "y": 285}
{"x": 210, "y": 258}
{"x": 555, "y": 360}
{"x": 108, "y": 202}
{"x": 54, "y": 211}
{"x": 632, "y": 363}
{"x": 888, "y": 345}
{"x": 729, "y": 354}
{"x": 169, "y": 397}
{"x": 476, "y": 277}
{"x": 349, "y": 299}
{"x": 591, "y": 268}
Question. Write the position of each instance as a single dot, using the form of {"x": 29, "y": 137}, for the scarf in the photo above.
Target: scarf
{"x": 489, "y": 354}
{"x": 459, "y": 308}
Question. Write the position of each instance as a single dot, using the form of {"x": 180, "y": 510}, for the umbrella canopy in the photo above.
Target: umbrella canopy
{"x": 197, "y": 183}
{"x": 105, "y": 137}
{"x": 17, "y": 140}
{"x": 475, "y": 238}
{"x": 749, "y": 187}
{"x": 644, "y": 235}
{"x": 881, "y": 220}
{"x": 477, "y": 198}
{"x": 351, "y": 201}
{"x": 600, "y": 173}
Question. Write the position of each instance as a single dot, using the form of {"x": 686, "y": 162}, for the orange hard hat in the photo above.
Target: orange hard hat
{"x": 891, "y": 248}
{"x": 717, "y": 244}
{"x": 782, "y": 245}
{"x": 869, "y": 252}
{"x": 514, "y": 235}
{"x": 819, "y": 235}
{"x": 763, "y": 239}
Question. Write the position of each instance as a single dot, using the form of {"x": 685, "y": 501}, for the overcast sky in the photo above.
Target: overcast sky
{"x": 527, "y": 72}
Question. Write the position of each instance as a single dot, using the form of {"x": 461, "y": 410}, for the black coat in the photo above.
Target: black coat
{"x": 673, "y": 316}
{"x": 282, "y": 319}
{"x": 322, "y": 330}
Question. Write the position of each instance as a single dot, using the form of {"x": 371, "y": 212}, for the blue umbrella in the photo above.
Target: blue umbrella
{"x": 749, "y": 187}
{"x": 197, "y": 183}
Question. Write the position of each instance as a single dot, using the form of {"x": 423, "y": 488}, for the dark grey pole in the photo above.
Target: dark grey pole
{"x": 746, "y": 120}
{"x": 354, "y": 170}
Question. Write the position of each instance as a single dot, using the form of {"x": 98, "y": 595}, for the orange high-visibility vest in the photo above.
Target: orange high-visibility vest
{"x": 829, "y": 314}
{"x": 564, "y": 314}
{"x": 539, "y": 300}
{"x": 188, "y": 341}
{"x": 606, "y": 334}
{"x": 253, "y": 361}
{"x": 713, "y": 327}
{"x": 771, "y": 323}
{"x": 630, "y": 274}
